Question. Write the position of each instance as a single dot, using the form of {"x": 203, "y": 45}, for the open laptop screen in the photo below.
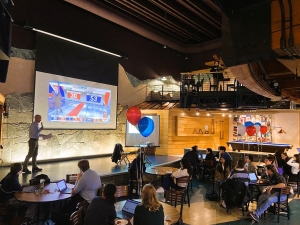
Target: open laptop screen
{"x": 61, "y": 185}
{"x": 129, "y": 206}
{"x": 252, "y": 176}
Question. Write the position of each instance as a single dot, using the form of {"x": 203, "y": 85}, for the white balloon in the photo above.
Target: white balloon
{"x": 241, "y": 129}
{"x": 257, "y": 127}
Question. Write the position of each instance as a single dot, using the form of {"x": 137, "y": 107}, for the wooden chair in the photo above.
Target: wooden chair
{"x": 174, "y": 197}
{"x": 8, "y": 217}
{"x": 184, "y": 180}
{"x": 122, "y": 191}
{"x": 71, "y": 178}
{"x": 83, "y": 205}
{"x": 77, "y": 218}
{"x": 282, "y": 204}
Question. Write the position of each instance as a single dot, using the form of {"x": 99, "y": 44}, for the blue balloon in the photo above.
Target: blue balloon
{"x": 257, "y": 123}
{"x": 146, "y": 126}
{"x": 249, "y": 123}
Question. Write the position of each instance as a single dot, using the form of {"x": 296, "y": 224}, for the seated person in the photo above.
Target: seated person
{"x": 149, "y": 211}
{"x": 249, "y": 166}
{"x": 9, "y": 185}
{"x": 286, "y": 168}
{"x": 225, "y": 155}
{"x": 193, "y": 157}
{"x": 271, "y": 195}
{"x": 210, "y": 156}
{"x": 136, "y": 165}
{"x": 270, "y": 159}
{"x": 239, "y": 172}
{"x": 184, "y": 170}
{"x": 222, "y": 171}
{"x": 295, "y": 164}
{"x": 86, "y": 186}
{"x": 102, "y": 209}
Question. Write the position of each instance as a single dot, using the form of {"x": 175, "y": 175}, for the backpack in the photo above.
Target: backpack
{"x": 235, "y": 193}
{"x": 212, "y": 196}
{"x": 37, "y": 179}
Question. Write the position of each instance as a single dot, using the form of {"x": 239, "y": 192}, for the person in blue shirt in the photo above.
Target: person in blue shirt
{"x": 225, "y": 155}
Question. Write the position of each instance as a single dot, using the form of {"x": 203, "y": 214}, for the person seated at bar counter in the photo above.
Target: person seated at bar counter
{"x": 102, "y": 209}
{"x": 9, "y": 185}
{"x": 249, "y": 164}
{"x": 271, "y": 195}
{"x": 193, "y": 157}
{"x": 210, "y": 156}
{"x": 149, "y": 211}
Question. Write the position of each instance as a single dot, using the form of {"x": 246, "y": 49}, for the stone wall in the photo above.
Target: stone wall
{"x": 64, "y": 144}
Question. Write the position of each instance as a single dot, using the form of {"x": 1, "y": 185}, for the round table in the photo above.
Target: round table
{"x": 53, "y": 196}
{"x": 161, "y": 170}
{"x": 169, "y": 210}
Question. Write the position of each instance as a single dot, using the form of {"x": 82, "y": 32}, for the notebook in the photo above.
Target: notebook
{"x": 128, "y": 209}
{"x": 31, "y": 189}
{"x": 253, "y": 178}
{"x": 63, "y": 188}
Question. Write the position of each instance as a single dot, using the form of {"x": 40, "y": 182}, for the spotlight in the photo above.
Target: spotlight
{"x": 165, "y": 46}
{"x": 186, "y": 57}
{"x": 208, "y": 114}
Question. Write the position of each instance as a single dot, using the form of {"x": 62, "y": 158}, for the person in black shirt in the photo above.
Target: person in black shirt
{"x": 286, "y": 168}
{"x": 210, "y": 156}
{"x": 136, "y": 165}
{"x": 193, "y": 157}
{"x": 9, "y": 185}
{"x": 217, "y": 76}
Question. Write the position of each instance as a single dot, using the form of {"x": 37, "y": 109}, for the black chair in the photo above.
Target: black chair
{"x": 212, "y": 85}
{"x": 231, "y": 86}
{"x": 282, "y": 204}
{"x": 199, "y": 85}
{"x": 173, "y": 197}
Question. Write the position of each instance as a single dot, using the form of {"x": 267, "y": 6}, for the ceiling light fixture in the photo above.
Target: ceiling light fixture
{"x": 163, "y": 78}
{"x": 76, "y": 42}
{"x": 165, "y": 46}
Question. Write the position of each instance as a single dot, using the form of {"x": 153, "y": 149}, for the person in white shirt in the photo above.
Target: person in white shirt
{"x": 295, "y": 164}
{"x": 184, "y": 170}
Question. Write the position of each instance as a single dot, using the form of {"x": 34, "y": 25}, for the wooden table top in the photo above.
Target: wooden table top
{"x": 161, "y": 170}
{"x": 169, "y": 210}
{"x": 54, "y": 195}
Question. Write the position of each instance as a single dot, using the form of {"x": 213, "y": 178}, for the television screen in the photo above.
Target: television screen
{"x": 69, "y": 103}
{"x": 134, "y": 138}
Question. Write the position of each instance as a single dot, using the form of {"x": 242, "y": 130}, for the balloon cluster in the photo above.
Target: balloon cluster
{"x": 145, "y": 125}
{"x": 251, "y": 128}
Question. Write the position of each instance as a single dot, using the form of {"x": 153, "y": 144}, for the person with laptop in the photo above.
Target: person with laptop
{"x": 271, "y": 195}
{"x": 102, "y": 209}
{"x": 9, "y": 185}
{"x": 149, "y": 211}
{"x": 86, "y": 186}
{"x": 295, "y": 164}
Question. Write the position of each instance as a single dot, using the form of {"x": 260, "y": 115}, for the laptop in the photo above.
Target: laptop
{"x": 203, "y": 156}
{"x": 128, "y": 209}
{"x": 253, "y": 178}
{"x": 298, "y": 149}
{"x": 63, "y": 188}
{"x": 31, "y": 189}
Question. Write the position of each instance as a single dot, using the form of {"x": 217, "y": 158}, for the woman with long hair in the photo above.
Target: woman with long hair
{"x": 150, "y": 211}
{"x": 222, "y": 171}
{"x": 102, "y": 209}
{"x": 184, "y": 170}
{"x": 295, "y": 164}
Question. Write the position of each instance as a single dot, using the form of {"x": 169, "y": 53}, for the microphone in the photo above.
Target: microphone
{"x": 42, "y": 124}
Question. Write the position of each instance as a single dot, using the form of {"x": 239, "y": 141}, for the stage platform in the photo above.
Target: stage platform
{"x": 106, "y": 169}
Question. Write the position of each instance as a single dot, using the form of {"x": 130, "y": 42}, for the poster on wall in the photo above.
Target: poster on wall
{"x": 252, "y": 128}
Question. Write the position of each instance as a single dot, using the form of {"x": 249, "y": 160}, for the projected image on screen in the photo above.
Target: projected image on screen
{"x": 69, "y": 102}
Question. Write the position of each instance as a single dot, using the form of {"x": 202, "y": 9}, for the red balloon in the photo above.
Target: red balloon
{"x": 251, "y": 130}
{"x": 263, "y": 129}
{"x": 133, "y": 115}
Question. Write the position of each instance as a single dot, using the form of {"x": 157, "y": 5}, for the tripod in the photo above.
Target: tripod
{"x": 146, "y": 160}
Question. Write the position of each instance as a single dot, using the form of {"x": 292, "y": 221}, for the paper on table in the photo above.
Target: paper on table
{"x": 47, "y": 136}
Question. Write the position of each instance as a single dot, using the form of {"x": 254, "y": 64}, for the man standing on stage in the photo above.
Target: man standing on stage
{"x": 34, "y": 134}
